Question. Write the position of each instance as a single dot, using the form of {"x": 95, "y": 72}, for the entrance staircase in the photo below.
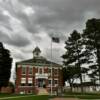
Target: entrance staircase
{"x": 42, "y": 91}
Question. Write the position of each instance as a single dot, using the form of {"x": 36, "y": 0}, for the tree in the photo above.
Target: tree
{"x": 75, "y": 55}
{"x": 5, "y": 66}
{"x": 70, "y": 74}
{"x": 92, "y": 39}
{"x": 11, "y": 85}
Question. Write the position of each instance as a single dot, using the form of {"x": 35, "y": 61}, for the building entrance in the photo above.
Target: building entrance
{"x": 41, "y": 83}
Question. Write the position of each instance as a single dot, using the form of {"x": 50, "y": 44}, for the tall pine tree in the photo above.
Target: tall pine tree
{"x": 5, "y": 66}
{"x": 75, "y": 55}
{"x": 92, "y": 40}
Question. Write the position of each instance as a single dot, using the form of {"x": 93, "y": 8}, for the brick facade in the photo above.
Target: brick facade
{"x": 36, "y": 73}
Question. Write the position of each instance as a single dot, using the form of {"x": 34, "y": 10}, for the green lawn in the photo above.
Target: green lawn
{"x": 81, "y": 96}
{"x": 84, "y": 96}
{"x": 21, "y": 97}
{"x": 11, "y": 95}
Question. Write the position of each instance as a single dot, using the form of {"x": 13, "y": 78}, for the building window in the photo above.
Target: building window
{"x": 56, "y": 71}
{"x": 23, "y": 80}
{"x": 23, "y": 70}
{"x": 49, "y": 82}
{"x": 55, "y": 81}
{"x": 30, "y": 71}
{"x": 40, "y": 70}
{"x": 49, "y": 70}
{"x": 30, "y": 81}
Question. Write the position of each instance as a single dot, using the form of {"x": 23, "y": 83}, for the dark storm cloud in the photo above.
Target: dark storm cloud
{"x": 18, "y": 41}
{"x": 28, "y": 22}
{"x": 3, "y": 37}
{"x": 59, "y": 17}
{"x": 4, "y": 20}
{"x": 14, "y": 40}
{"x": 56, "y": 16}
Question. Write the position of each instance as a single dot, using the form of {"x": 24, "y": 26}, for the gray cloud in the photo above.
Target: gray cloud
{"x": 59, "y": 17}
{"x": 19, "y": 41}
{"x": 21, "y": 32}
{"x": 14, "y": 40}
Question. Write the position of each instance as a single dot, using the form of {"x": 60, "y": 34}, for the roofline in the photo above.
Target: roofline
{"x": 39, "y": 64}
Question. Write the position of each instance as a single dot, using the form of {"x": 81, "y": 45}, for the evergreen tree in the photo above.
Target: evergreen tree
{"x": 75, "y": 55}
{"x": 92, "y": 40}
{"x": 5, "y": 66}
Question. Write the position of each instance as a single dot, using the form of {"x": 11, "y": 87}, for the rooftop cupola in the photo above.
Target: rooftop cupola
{"x": 36, "y": 52}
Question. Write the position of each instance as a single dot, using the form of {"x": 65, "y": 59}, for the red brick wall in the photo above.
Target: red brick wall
{"x": 35, "y": 81}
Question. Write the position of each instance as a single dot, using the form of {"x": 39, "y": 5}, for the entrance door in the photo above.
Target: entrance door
{"x": 40, "y": 82}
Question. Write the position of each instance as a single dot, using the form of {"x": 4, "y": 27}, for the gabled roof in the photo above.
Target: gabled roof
{"x": 39, "y": 61}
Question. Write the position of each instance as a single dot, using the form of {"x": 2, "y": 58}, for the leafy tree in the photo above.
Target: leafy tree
{"x": 5, "y": 66}
{"x": 70, "y": 74}
{"x": 92, "y": 40}
{"x": 75, "y": 55}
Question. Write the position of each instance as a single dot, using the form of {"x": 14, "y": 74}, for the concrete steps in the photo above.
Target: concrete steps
{"x": 42, "y": 91}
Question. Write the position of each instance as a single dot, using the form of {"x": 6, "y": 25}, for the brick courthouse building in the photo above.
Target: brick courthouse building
{"x": 35, "y": 73}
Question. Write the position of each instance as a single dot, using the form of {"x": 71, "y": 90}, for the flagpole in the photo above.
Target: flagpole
{"x": 56, "y": 40}
{"x": 51, "y": 69}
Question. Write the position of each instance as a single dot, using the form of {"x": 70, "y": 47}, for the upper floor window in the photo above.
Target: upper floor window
{"x": 49, "y": 82}
{"x": 30, "y": 71}
{"x": 23, "y": 70}
{"x": 49, "y": 70}
{"x": 23, "y": 80}
{"x": 30, "y": 80}
{"x": 55, "y": 81}
{"x": 56, "y": 71}
{"x": 40, "y": 70}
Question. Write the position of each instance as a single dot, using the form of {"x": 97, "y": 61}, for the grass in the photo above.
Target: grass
{"x": 11, "y": 95}
{"x": 84, "y": 96}
{"x": 21, "y": 97}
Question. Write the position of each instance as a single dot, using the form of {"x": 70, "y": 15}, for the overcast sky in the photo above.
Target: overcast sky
{"x": 25, "y": 24}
